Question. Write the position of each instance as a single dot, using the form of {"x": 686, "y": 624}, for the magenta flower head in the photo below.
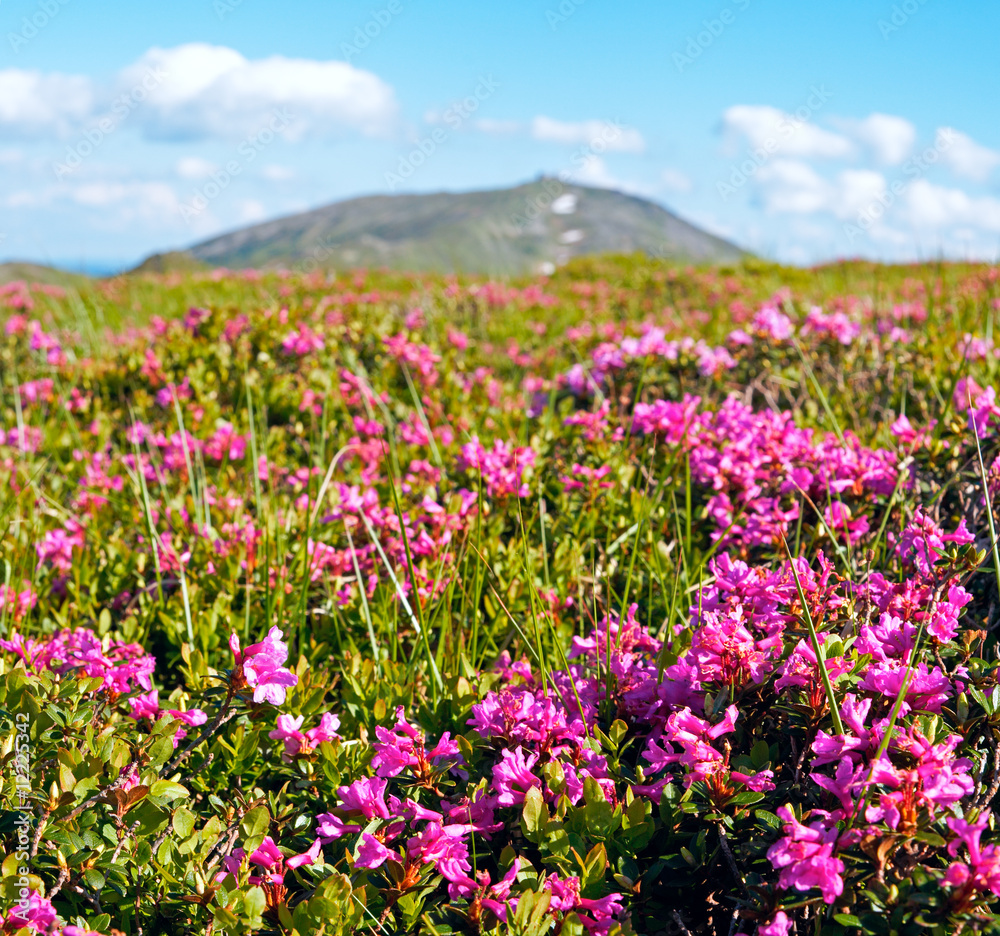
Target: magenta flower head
{"x": 262, "y": 667}
{"x": 36, "y": 913}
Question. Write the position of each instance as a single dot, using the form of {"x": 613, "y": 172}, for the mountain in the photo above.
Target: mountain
{"x": 525, "y": 229}
{"x": 36, "y": 273}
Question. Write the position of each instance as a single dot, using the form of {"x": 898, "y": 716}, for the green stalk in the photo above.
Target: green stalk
{"x": 376, "y": 656}
{"x": 893, "y": 715}
{"x": 543, "y": 665}
{"x": 989, "y": 504}
{"x": 820, "y": 393}
{"x": 435, "y": 454}
{"x": 831, "y": 699}
{"x": 187, "y": 455}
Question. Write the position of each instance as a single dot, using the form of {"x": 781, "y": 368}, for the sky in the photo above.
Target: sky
{"x": 804, "y": 132}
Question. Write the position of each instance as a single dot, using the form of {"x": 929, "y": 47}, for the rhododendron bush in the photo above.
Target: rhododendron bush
{"x": 632, "y": 599}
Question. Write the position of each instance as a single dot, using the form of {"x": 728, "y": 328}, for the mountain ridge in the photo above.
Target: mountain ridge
{"x": 529, "y": 228}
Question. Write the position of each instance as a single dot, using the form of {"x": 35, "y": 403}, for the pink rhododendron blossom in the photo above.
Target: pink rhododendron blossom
{"x": 298, "y": 743}
{"x": 261, "y": 665}
{"x": 806, "y": 857}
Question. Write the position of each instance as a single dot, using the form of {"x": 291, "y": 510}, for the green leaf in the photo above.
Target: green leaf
{"x": 760, "y": 754}
{"x": 534, "y": 808}
{"x": 254, "y": 902}
{"x": 183, "y": 821}
{"x": 168, "y": 789}
{"x": 256, "y": 822}
{"x": 617, "y": 731}
{"x": 746, "y": 798}
{"x": 160, "y": 751}
{"x": 980, "y": 698}
{"x": 594, "y": 866}
{"x": 769, "y": 818}
{"x": 847, "y": 919}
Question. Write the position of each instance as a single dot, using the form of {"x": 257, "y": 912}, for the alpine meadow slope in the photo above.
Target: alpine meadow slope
{"x": 499, "y": 232}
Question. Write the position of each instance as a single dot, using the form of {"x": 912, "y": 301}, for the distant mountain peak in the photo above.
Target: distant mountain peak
{"x": 533, "y": 227}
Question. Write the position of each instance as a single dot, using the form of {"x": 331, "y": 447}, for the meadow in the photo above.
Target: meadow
{"x": 635, "y": 599}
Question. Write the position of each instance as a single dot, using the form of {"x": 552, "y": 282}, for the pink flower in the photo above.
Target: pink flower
{"x": 298, "y": 743}
{"x": 779, "y": 926}
{"x": 445, "y": 848}
{"x": 404, "y": 747}
{"x": 308, "y": 857}
{"x": 501, "y": 468}
{"x": 923, "y": 541}
{"x": 773, "y": 323}
{"x": 982, "y": 872}
{"x": 597, "y": 914}
{"x": 330, "y": 827}
{"x": 372, "y": 853}
{"x": 116, "y": 663}
{"x": 16, "y": 603}
{"x": 805, "y": 857}
{"x": 513, "y": 777}
{"x": 726, "y": 651}
{"x": 36, "y": 913}
{"x": 261, "y": 665}
{"x": 145, "y": 706}
{"x": 366, "y": 796}
{"x": 269, "y": 858}
{"x": 302, "y": 341}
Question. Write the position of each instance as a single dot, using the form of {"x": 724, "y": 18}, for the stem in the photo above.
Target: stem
{"x": 831, "y": 699}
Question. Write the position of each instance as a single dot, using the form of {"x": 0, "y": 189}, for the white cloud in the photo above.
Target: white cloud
{"x": 601, "y": 135}
{"x": 251, "y": 210}
{"x": 201, "y": 91}
{"x": 35, "y": 104}
{"x": 194, "y": 167}
{"x": 149, "y": 200}
{"x": 22, "y": 199}
{"x": 594, "y": 172}
{"x": 793, "y": 187}
{"x": 965, "y": 157}
{"x": 856, "y": 190}
{"x": 499, "y": 127}
{"x": 934, "y": 206}
{"x": 889, "y": 138}
{"x": 789, "y": 186}
{"x": 213, "y": 91}
{"x": 115, "y": 202}
{"x": 275, "y": 173}
{"x": 773, "y": 130}
{"x": 676, "y": 181}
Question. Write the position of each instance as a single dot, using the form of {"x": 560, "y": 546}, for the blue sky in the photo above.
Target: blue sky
{"x": 802, "y": 131}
